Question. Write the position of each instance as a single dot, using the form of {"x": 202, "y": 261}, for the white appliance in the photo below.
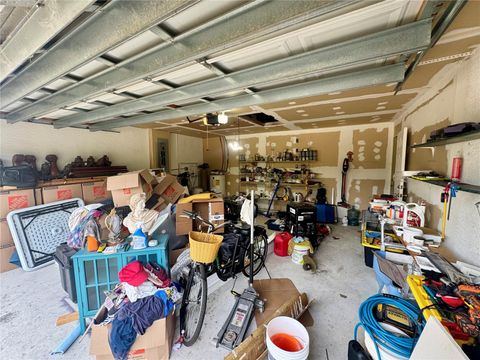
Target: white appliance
{"x": 217, "y": 184}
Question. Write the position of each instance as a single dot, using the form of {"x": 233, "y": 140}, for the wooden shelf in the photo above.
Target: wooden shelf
{"x": 472, "y": 135}
{"x": 474, "y": 189}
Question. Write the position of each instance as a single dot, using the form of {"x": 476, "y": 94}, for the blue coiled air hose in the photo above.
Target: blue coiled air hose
{"x": 401, "y": 346}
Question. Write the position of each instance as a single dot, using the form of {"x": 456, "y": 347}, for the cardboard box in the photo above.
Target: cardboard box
{"x": 61, "y": 192}
{"x": 94, "y": 192}
{"x": 211, "y": 210}
{"x": 15, "y": 199}
{"x": 174, "y": 254}
{"x": 156, "y": 343}
{"x": 5, "y": 253}
{"x": 169, "y": 189}
{"x": 6, "y": 238}
{"x": 125, "y": 185}
{"x": 38, "y": 196}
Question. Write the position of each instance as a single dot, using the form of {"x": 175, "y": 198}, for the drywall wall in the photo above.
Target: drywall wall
{"x": 213, "y": 152}
{"x": 452, "y": 96}
{"x": 185, "y": 150}
{"x": 129, "y": 147}
{"x": 369, "y": 173}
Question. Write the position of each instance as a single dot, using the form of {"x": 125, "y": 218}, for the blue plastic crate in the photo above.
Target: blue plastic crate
{"x": 96, "y": 273}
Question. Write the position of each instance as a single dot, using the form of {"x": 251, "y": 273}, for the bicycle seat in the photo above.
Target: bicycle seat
{"x": 242, "y": 228}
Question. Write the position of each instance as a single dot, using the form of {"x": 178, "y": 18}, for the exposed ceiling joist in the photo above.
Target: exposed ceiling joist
{"x": 252, "y": 21}
{"x": 44, "y": 23}
{"x": 405, "y": 39}
{"x": 116, "y": 23}
{"x": 380, "y": 75}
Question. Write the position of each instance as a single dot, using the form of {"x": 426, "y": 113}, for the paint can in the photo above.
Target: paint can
{"x": 284, "y": 334}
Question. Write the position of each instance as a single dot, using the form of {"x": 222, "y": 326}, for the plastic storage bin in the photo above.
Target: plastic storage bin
{"x": 63, "y": 257}
{"x": 325, "y": 214}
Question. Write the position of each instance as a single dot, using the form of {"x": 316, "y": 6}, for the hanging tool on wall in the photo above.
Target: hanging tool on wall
{"x": 444, "y": 199}
{"x": 453, "y": 193}
{"x": 345, "y": 166}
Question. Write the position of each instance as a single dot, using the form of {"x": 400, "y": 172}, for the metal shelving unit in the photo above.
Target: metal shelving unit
{"x": 472, "y": 135}
{"x": 474, "y": 189}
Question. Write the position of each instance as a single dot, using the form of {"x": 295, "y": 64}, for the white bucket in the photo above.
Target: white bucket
{"x": 298, "y": 252}
{"x": 287, "y": 325}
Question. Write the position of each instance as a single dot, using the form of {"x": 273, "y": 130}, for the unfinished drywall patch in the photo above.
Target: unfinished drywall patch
{"x": 232, "y": 184}
{"x": 361, "y": 190}
{"x": 249, "y": 147}
{"x": 426, "y": 158}
{"x": 370, "y": 148}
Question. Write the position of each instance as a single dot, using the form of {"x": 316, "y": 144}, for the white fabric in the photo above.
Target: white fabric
{"x": 246, "y": 212}
{"x": 137, "y": 292}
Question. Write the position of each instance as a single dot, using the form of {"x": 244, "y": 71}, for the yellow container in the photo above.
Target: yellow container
{"x": 415, "y": 283}
{"x": 204, "y": 247}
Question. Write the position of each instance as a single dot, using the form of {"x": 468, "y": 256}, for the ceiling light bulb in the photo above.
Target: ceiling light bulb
{"x": 235, "y": 146}
{"x": 222, "y": 118}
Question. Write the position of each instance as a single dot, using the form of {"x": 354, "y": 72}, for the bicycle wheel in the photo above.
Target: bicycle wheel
{"x": 194, "y": 304}
{"x": 260, "y": 248}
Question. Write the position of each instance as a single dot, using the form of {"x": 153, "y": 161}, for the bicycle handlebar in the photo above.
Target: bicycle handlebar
{"x": 195, "y": 216}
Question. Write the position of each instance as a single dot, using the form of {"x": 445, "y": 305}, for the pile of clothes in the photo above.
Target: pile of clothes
{"x": 145, "y": 295}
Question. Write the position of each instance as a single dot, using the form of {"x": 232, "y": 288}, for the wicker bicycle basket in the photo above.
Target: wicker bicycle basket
{"x": 204, "y": 247}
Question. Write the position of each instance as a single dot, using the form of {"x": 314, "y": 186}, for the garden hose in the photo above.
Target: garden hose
{"x": 401, "y": 346}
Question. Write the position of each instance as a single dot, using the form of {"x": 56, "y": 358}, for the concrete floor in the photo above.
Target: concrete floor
{"x": 31, "y": 302}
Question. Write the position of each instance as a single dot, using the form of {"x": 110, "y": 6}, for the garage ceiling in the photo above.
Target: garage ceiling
{"x": 102, "y": 65}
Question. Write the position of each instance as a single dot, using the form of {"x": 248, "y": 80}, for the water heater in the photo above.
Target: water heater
{"x": 217, "y": 184}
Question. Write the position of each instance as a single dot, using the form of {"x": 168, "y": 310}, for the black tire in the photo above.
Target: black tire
{"x": 260, "y": 249}
{"x": 194, "y": 304}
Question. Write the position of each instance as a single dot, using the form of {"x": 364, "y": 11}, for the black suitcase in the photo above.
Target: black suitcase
{"x": 63, "y": 257}
{"x": 20, "y": 176}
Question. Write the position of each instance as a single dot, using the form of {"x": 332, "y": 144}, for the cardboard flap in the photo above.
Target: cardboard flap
{"x": 123, "y": 181}
{"x": 275, "y": 291}
{"x": 163, "y": 183}
{"x": 148, "y": 177}
{"x": 155, "y": 336}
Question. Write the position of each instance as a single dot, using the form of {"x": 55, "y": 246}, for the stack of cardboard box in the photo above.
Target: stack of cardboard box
{"x": 11, "y": 200}
{"x": 91, "y": 190}
{"x": 165, "y": 190}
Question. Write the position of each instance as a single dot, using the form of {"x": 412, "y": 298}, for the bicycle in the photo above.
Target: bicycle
{"x": 194, "y": 300}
